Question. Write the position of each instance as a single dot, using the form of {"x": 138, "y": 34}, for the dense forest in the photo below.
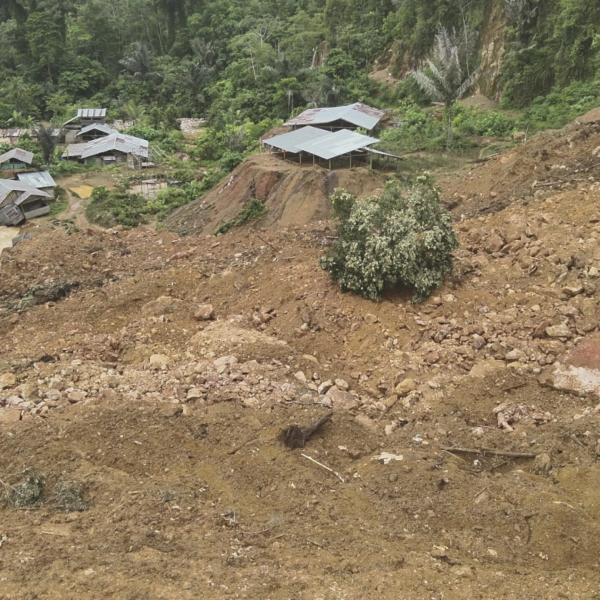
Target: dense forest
{"x": 236, "y": 60}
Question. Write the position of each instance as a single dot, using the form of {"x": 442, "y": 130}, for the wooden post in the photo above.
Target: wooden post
{"x": 330, "y": 164}
{"x": 350, "y": 159}
{"x": 313, "y": 160}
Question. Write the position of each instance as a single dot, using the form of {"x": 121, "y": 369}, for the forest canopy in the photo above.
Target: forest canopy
{"x": 233, "y": 60}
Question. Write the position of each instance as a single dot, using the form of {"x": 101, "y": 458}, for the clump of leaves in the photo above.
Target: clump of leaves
{"x": 252, "y": 210}
{"x": 68, "y": 496}
{"x": 400, "y": 239}
{"x": 27, "y": 492}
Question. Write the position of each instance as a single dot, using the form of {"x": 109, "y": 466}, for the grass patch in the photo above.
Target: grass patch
{"x": 28, "y": 492}
{"x": 253, "y": 210}
{"x": 68, "y": 496}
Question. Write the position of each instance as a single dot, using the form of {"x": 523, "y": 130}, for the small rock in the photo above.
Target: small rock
{"x": 204, "y": 312}
{"x": 7, "y": 380}
{"x": 572, "y": 291}
{"x": 325, "y": 387}
{"x": 342, "y": 384}
{"x": 559, "y": 331}
{"x": 371, "y": 319}
{"x": 161, "y": 306}
{"x": 10, "y": 415}
{"x": 300, "y": 376}
{"x": 366, "y": 422}
{"x": 514, "y": 355}
{"x": 340, "y": 399}
{"x": 76, "y": 396}
{"x": 171, "y": 410}
{"x": 159, "y": 362}
{"x": 406, "y": 387}
{"x": 478, "y": 341}
{"x": 194, "y": 393}
{"x": 542, "y": 464}
{"x": 224, "y": 362}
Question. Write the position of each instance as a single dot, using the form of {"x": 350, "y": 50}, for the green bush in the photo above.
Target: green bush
{"x": 404, "y": 238}
{"x": 109, "y": 208}
{"x": 563, "y": 105}
{"x": 488, "y": 123}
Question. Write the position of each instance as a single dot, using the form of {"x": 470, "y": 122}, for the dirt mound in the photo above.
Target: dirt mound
{"x": 292, "y": 194}
{"x": 548, "y": 162}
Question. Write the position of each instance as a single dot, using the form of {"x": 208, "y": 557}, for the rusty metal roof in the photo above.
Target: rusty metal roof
{"x": 357, "y": 114}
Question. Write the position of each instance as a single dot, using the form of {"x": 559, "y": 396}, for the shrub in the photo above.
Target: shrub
{"x": 251, "y": 211}
{"x": 401, "y": 239}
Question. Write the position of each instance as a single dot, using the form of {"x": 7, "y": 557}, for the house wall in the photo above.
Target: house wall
{"x": 35, "y": 208}
{"x": 13, "y": 165}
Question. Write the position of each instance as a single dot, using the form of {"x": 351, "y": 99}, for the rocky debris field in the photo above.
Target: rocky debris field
{"x": 147, "y": 382}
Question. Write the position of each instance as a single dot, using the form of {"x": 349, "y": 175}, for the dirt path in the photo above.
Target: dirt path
{"x": 7, "y": 235}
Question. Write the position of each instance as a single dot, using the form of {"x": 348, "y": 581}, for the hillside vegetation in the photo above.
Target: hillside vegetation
{"x": 236, "y": 60}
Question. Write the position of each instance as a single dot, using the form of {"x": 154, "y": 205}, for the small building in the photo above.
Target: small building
{"x": 94, "y": 131}
{"x": 338, "y": 148}
{"x": 41, "y": 180}
{"x": 110, "y": 149}
{"x": 352, "y": 116}
{"x": 19, "y": 201}
{"x": 16, "y": 160}
{"x": 83, "y": 118}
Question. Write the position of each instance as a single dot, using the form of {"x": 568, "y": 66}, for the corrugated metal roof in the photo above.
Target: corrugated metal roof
{"x": 289, "y": 141}
{"x": 91, "y": 113}
{"x": 337, "y": 144}
{"x": 41, "y": 179}
{"x": 17, "y": 154}
{"x": 103, "y": 127}
{"x": 357, "y": 114}
{"x": 74, "y": 150}
{"x": 8, "y": 186}
{"x": 120, "y": 142}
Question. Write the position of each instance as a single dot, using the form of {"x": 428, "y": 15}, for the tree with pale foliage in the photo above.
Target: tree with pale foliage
{"x": 446, "y": 77}
{"x": 401, "y": 239}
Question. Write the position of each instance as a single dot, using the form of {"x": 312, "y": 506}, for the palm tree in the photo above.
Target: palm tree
{"x": 446, "y": 78}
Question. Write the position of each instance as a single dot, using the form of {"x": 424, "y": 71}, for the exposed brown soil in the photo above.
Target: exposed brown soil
{"x": 292, "y": 194}
{"x": 547, "y": 162}
{"x": 172, "y": 423}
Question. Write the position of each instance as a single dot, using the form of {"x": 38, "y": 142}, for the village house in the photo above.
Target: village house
{"x": 19, "y": 201}
{"x": 110, "y": 149}
{"x": 15, "y": 160}
{"x": 93, "y": 132}
{"x": 353, "y": 116}
{"x": 83, "y": 118}
{"x": 41, "y": 180}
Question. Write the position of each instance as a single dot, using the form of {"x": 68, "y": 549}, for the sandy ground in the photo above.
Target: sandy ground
{"x": 7, "y": 235}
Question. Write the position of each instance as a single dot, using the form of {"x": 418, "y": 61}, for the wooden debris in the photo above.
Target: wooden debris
{"x": 296, "y": 436}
